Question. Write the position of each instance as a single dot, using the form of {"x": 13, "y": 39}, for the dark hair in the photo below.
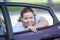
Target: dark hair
{"x": 26, "y": 9}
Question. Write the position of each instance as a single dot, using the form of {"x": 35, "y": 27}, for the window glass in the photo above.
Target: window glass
{"x": 15, "y": 12}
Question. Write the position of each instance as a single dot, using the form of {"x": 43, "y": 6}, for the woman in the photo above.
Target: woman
{"x": 28, "y": 20}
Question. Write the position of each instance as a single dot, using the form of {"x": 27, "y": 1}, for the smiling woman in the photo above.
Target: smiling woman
{"x": 28, "y": 20}
{"x": 19, "y": 16}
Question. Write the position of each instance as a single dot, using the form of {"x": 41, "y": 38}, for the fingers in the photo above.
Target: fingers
{"x": 33, "y": 29}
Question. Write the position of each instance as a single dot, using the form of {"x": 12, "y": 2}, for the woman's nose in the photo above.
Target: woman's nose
{"x": 29, "y": 20}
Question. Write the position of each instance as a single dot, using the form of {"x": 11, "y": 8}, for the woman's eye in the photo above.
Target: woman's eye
{"x": 25, "y": 18}
{"x": 31, "y": 17}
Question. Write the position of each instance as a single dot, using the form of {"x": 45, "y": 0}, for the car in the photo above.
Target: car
{"x": 45, "y": 33}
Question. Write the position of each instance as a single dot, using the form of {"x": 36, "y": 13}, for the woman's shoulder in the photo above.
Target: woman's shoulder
{"x": 37, "y": 17}
{"x": 19, "y": 23}
{"x": 19, "y": 27}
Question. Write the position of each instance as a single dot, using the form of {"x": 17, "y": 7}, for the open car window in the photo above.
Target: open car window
{"x": 14, "y": 12}
{"x": 2, "y": 24}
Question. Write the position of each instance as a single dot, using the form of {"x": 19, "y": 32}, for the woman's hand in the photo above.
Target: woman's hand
{"x": 32, "y": 28}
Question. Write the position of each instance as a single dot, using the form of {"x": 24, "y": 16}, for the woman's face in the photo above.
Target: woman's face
{"x": 28, "y": 19}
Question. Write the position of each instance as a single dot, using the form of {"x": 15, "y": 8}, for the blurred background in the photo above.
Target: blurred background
{"x": 54, "y": 4}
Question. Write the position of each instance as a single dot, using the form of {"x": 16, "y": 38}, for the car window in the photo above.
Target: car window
{"x": 2, "y": 24}
{"x": 15, "y": 11}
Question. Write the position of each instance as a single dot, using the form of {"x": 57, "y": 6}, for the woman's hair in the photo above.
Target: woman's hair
{"x": 26, "y": 9}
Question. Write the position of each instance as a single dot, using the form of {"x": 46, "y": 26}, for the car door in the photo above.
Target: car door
{"x": 28, "y": 34}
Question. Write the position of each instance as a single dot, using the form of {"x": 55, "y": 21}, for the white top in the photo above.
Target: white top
{"x": 19, "y": 26}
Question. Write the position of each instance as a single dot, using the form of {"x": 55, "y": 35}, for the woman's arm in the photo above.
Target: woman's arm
{"x": 42, "y": 22}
